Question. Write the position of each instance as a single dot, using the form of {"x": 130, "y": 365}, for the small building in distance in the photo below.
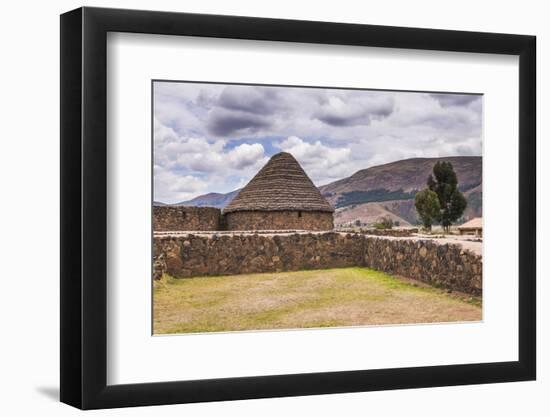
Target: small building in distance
{"x": 280, "y": 197}
{"x": 472, "y": 227}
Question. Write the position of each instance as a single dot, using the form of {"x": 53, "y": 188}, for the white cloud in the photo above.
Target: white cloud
{"x": 322, "y": 163}
{"x": 189, "y": 166}
{"x": 221, "y": 134}
{"x": 245, "y": 155}
{"x": 169, "y": 186}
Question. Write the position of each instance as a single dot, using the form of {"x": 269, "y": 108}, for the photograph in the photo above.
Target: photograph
{"x": 268, "y": 206}
{"x": 280, "y": 207}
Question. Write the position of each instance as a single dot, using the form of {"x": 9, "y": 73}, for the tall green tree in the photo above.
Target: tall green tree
{"x": 452, "y": 202}
{"x": 427, "y": 205}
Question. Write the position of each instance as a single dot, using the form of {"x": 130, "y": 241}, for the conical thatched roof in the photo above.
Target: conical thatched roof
{"x": 281, "y": 184}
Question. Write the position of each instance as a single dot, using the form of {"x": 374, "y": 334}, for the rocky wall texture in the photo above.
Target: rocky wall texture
{"x": 390, "y": 232}
{"x": 195, "y": 255}
{"x": 174, "y": 218}
{"x": 443, "y": 265}
{"x": 279, "y": 220}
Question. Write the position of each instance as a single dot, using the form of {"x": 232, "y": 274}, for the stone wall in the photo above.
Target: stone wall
{"x": 191, "y": 255}
{"x": 390, "y": 232}
{"x": 173, "y": 218}
{"x": 279, "y": 220}
{"x": 195, "y": 255}
{"x": 443, "y": 265}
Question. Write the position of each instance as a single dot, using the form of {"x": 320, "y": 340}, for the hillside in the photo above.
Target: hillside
{"x": 392, "y": 187}
{"x": 398, "y": 180}
{"x": 367, "y": 213}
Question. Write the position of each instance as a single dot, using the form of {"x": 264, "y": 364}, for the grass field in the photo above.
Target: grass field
{"x": 287, "y": 300}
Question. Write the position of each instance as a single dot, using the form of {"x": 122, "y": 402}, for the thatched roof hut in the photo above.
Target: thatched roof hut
{"x": 281, "y": 184}
{"x": 280, "y": 196}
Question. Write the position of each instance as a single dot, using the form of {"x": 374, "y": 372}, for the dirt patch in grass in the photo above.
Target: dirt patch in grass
{"x": 289, "y": 300}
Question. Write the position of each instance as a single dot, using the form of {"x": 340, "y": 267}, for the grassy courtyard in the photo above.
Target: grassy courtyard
{"x": 289, "y": 300}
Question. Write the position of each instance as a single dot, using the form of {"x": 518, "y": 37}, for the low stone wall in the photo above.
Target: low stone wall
{"x": 390, "y": 232}
{"x": 190, "y": 255}
{"x": 279, "y": 220}
{"x": 195, "y": 255}
{"x": 173, "y": 218}
{"x": 443, "y": 265}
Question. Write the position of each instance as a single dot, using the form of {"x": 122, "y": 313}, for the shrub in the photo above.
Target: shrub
{"x": 384, "y": 223}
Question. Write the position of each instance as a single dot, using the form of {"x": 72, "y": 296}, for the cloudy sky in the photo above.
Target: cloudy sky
{"x": 215, "y": 137}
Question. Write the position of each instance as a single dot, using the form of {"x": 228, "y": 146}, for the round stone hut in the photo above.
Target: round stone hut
{"x": 280, "y": 197}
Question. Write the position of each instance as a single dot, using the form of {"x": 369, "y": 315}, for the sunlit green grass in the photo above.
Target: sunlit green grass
{"x": 286, "y": 300}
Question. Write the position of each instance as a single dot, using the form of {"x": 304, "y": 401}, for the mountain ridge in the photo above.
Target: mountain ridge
{"x": 407, "y": 176}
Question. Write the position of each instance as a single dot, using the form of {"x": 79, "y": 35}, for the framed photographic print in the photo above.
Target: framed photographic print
{"x": 257, "y": 208}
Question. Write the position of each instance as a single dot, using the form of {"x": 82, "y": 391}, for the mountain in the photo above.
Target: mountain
{"x": 474, "y": 198}
{"x": 367, "y": 213}
{"x": 394, "y": 186}
{"x": 398, "y": 180}
{"x": 383, "y": 190}
{"x": 217, "y": 200}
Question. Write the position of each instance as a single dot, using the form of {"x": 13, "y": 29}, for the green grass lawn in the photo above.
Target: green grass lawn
{"x": 289, "y": 300}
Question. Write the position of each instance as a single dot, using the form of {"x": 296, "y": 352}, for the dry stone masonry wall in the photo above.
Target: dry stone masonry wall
{"x": 279, "y": 220}
{"x": 171, "y": 218}
{"x": 390, "y": 232}
{"x": 444, "y": 265}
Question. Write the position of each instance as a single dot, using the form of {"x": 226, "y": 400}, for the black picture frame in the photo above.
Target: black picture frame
{"x": 84, "y": 207}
